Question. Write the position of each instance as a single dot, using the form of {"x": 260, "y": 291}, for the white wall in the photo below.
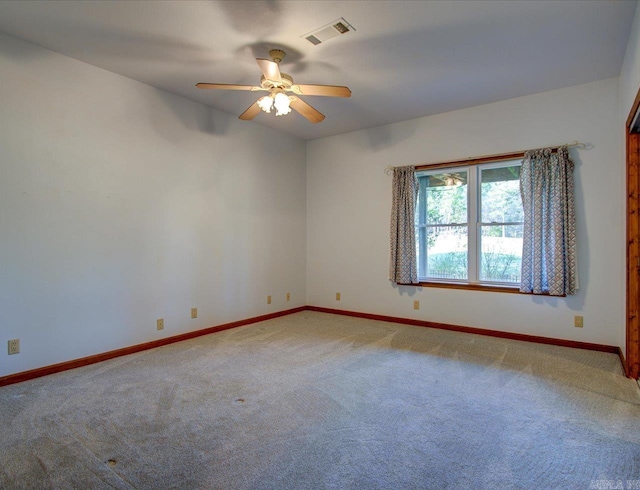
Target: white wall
{"x": 121, "y": 204}
{"x": 349, "y": 201}
{"x": 630, "y": 71}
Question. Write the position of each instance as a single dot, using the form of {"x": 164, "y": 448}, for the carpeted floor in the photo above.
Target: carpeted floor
{"x": 318, "y": 401}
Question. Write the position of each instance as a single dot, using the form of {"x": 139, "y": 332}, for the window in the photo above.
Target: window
{"x": 469, "y": 224}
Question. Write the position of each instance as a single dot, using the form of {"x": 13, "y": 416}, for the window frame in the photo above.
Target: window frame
{"x": 473, "y": 224}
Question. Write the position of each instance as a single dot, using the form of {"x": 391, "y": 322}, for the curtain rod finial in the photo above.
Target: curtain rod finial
{"x": 580, "y": 146}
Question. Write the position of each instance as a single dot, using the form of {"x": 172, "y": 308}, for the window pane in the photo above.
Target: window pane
{"x": 500, "y": 195}
{"x": 446, "y": 252}
{"x": 446, "y": 198}
{"x": 501, "y": 253}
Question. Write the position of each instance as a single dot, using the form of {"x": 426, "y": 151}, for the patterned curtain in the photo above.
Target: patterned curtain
{"x": 403, "y": 267}
{"x": 549, "y": 243}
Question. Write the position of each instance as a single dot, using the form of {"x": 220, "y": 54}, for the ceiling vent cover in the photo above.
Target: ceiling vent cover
{"x": 331, "y": 30}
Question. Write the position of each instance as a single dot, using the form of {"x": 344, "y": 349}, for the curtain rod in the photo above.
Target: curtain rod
{"x": 575, "y": 144}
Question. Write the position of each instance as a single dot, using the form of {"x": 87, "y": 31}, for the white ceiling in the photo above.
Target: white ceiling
{"x": 406, "y": 59}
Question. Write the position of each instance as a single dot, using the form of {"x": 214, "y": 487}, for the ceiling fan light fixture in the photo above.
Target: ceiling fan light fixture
{"x": 266, "y": 103}
{"x": 281, "y": 102}
{"x": 452, "y": 180}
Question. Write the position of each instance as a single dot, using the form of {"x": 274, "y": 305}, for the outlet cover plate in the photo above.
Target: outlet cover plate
{"x": 14, "y": 346}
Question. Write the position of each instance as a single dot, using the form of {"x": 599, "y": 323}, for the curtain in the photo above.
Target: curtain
{"x": 403, "y": 264}
{"x": 549, "y": 241}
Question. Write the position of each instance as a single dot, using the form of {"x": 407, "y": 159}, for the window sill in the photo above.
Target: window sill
{"x": 472, "y": 287}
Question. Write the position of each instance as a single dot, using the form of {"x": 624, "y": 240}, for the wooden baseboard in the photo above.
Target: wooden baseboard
{"x": 479, "y": 331}
{"x": 85, "y": 361}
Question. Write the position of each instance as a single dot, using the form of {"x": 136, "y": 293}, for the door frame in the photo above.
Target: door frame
{"x": 632, "y": 137}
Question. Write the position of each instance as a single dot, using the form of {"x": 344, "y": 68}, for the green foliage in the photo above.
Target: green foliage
{"x": 495, "y": 266}
{"x": 500, "y": 267}
{"x": 501, "y": 202}
{"x": 451, "y": 265}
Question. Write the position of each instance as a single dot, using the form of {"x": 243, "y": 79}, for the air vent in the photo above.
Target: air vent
{"x": 331, "y": 30}
{"x": 313, "y": 40}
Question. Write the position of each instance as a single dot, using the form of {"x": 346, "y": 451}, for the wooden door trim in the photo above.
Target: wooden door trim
{"x": 632, "y": 347}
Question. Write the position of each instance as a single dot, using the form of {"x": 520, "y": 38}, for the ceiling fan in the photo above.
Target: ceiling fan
{"x": 278, "y": 84}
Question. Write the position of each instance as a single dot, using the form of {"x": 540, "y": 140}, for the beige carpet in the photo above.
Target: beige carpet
{"x": 314, "y": 400}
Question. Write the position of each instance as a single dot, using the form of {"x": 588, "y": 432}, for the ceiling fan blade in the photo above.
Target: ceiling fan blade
{"x": 226, "y": 86}
{"x": 306, "y": 110}
{"x": 270, "y": 69}
{"x": 251, "y": 112}
{"x": 326, "y": 90}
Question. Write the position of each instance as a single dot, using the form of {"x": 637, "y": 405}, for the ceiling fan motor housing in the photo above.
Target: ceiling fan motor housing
{"x": 277, "y": 55}
{"x": 287, "y": 82}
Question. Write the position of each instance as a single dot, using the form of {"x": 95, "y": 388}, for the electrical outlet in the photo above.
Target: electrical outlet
{"x": 337, "y": 296}
{"x": 269, "y": 299}
{"x": 416, "y": 304}
{"x": 578, "y": 321}
{"x": 14, "y": 346}
{"x": 288, "y": 296}
{"x": 194, "y": 312}
{"x": 160, "y": 323}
